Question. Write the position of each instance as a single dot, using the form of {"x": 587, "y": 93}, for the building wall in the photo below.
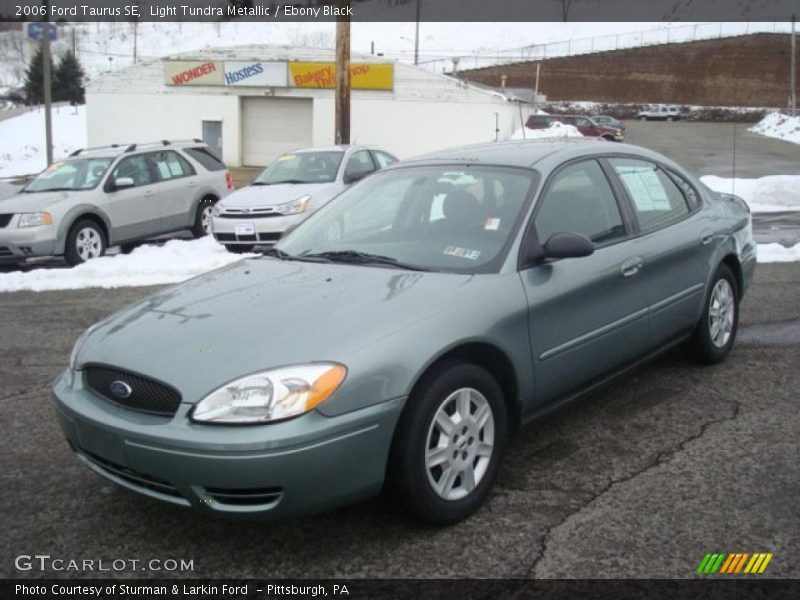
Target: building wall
{"x": 424, "y": 112}
{"x": 737, "y": 71}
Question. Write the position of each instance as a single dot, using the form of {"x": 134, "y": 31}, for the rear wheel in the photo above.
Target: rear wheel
{"x": 449, "y": 443}
{"x": 238, "y": 248}
{"x": 716, "y": 332}
{"x": 202, "y": 218}
{"x": 643, "y": 118}
{"x": 86, "y": 240}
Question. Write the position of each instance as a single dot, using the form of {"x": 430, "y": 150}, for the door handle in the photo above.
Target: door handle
{"x": 631, "y": 267}
{"x": 149, "y": 193}
{"x": 706, "y": 238}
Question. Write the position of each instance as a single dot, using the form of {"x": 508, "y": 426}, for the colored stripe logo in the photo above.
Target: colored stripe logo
{"x": 734, "y": 563}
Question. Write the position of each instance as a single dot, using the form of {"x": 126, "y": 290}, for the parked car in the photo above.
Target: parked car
{"x": 463, "y": 294}
{"x": 289, "y": 190}
{"x": 660, "y": 112}
{"x": 114, "y": 195}
{"x": 607, "y": 121}
{"x": 586, "y": 125}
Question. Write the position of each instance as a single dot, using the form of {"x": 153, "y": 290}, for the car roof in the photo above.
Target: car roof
{"x": 335, "y": 148}
{"x": 116, "y": 150}
{"x": 526, "y": 153}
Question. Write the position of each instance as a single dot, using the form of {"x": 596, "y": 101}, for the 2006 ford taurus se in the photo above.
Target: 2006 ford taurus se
{"x": 404, "y": 331}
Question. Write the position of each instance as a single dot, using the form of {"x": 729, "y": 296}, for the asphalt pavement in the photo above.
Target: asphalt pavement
{"x": 639, "y": 480}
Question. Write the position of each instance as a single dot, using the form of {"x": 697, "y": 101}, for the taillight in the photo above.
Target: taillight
{"x": 229, "y": 180}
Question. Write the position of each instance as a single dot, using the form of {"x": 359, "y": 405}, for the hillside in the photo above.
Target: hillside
{"x": 750, "y": 70}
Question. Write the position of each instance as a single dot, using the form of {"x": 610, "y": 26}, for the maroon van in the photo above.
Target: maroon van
{"x": 586, "y": 125}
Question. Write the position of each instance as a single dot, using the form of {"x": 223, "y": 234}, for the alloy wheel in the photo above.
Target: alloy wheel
{"x": 88, "y": 243}
{"x": 460, "y": 444}
{"x": 721, "y": 313}
{"x": 205, "y": 218}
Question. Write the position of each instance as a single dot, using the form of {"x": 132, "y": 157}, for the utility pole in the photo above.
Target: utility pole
{"x": 416, "y": 36}
{"x": 135, "y": 40}
{"x": 793, "y": 73}
{"x": 48, "y": 95}
{"x": 342, "y": 116}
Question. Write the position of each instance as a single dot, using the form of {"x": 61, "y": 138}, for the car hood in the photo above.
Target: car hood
{"x": 34, "y": 201}
{"x": 254, "y": 196}
{"x": 264, "y": 313}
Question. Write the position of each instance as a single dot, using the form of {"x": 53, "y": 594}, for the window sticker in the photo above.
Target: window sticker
{"x": 462, "y": 252}
{"x": 163, "y": 169}
{"x": 492, "y": 224}
{"x": 645, "y": 188}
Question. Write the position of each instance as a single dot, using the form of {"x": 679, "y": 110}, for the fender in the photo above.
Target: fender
{"x": 72, "y": 215}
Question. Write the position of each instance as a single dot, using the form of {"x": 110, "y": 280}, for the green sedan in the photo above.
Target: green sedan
{"x": 399, "y": 336}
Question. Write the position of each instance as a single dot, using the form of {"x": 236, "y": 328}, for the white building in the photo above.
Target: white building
{"x": 255, "y": 102}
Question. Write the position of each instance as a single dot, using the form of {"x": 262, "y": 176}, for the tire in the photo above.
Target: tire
{"x": 202, "y": 217}
{"x": 474, "y": 447}
{"x": 238, "y": 248}
{"x": 127, "y": 248}
{"x": 714, "y": 336}
{"x": 86, "y": 240}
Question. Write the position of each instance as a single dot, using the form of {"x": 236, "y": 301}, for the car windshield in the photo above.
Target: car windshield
{"x": 302, "y": 167}
{"x": 70, "y": 175}
{"x": 443, "y": 218}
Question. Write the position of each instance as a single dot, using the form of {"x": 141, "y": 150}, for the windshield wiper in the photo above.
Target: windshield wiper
{"x": 55, "y": 189}
{"x": 279, "y": 254}
{"x": 360, "y": 258}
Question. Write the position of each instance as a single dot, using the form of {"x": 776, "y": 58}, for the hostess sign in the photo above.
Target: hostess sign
{"x": 255, "y": 73}
{"x": 363, "y": 76}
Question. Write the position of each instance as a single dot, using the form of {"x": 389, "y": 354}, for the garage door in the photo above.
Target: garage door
{"x": 272, "y": 126}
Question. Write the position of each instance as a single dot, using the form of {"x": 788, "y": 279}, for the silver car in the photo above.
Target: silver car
{"x": 289, "y": 190}
{"x": 115, "y": 195}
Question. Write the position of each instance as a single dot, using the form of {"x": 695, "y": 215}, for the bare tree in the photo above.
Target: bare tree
{"x": 310, "y": 39}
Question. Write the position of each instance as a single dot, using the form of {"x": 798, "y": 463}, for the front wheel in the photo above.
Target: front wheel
{"x": 449, "y": 443}
{"x": 716, "y": 332}
{"x": 86, "y": 240}
{"x": 202, "y": 218}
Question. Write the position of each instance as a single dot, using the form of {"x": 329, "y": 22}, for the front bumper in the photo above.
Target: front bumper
{"x": 18, "y": 244}
{"x": 265, "y": 230}
{"x": 302, "y": 465}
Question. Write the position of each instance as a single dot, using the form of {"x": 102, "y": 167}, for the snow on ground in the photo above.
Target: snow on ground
{"x": 777, "y": 125}
{"x": 175, "y": 261}
{"x": 776, "y": 253}
{"x": 556, "y": 130}
{"x": 775, "y": 193}
{"x": 22, "y": 139}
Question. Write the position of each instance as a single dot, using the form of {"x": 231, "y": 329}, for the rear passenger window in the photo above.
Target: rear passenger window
{"x": 170, "y": 165}
{"x": 656, "y": 197}
{"x": 579, "y": 200}
{"x": 206, "y": 158}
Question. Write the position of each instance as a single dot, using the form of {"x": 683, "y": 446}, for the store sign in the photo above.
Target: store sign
{"x": 255, "y": 73}
{"x": 182, "y": 73}
{"x": 363, "y": 76}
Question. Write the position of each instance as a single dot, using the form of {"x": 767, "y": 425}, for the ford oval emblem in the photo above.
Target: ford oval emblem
{"x": 121, "y": 390}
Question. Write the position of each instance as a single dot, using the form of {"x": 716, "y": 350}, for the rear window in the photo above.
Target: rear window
{"x": 206, "y": 158}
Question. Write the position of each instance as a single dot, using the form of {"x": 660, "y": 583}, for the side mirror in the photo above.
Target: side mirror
{"x": 353, "y": 177}
{"x": 567, "y": 245}
{"x": 123, "y": 182}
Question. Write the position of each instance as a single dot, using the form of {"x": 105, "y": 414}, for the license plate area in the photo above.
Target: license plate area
{"x": 245, "y": 229}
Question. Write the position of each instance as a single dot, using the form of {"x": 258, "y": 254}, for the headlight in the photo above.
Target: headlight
{"x": 35, "y": 219}
{"x": 271, "y": 395}
{"x": 293, "y": 208}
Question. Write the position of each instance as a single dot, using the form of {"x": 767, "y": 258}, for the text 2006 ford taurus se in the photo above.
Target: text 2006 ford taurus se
{"x": 401, "y": 333}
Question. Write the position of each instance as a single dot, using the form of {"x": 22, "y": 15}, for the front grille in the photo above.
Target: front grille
{"x": 225, "y": 237}
{"x": 142, "y": 480}
{"x": 5, "y": 251}
{"x": 245, "y": 497}
{"x": 5, "y": 220}
{"x": 265, "y": 215}
{"x": 270, "y": 237}
{"x": 146, "y": 395}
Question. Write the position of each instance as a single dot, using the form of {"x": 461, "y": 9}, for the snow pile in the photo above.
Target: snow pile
{"x": 777, "y": 125}
{"x": 777, "y": 253}
{"x": 775, "y": 193}
{"x": 556, "y": 130}
{"x": 175, "y": 261}
{"x": 22, "y": 139}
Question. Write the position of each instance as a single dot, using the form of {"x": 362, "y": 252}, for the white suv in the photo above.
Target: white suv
{"x": 660, "y": 112}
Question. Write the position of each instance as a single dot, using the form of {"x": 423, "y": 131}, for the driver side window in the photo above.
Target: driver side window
{"x": 135, "y": 167}
{"x": 359, "y": 165}
{"x": 579, "y": 199}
